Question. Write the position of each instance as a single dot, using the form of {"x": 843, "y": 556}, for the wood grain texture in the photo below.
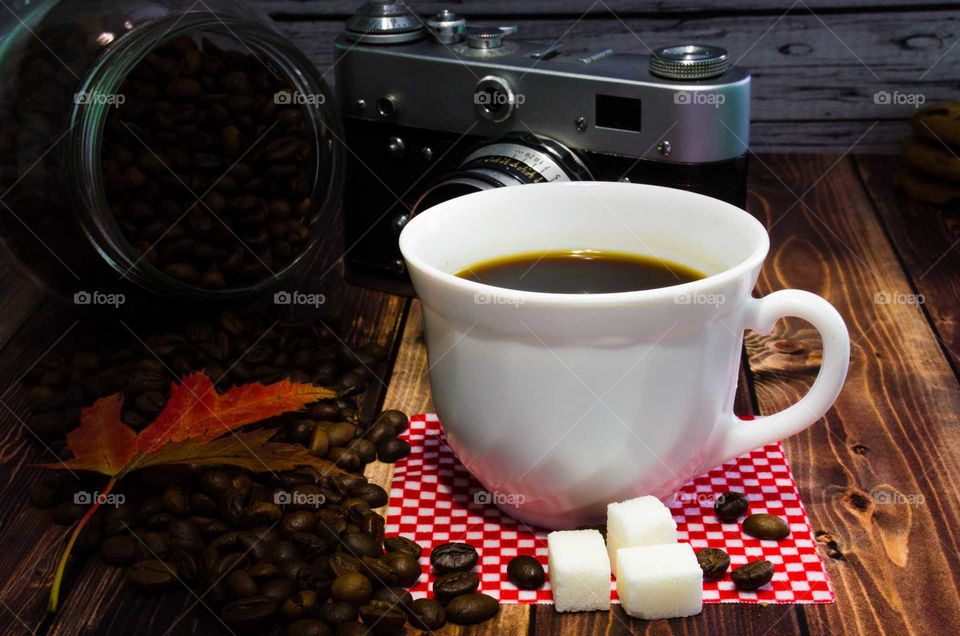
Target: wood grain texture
{"x": 878, "y": 474}
{"x": 29, "y": 537}
{"x": 820, "y": 73}
{"x": 927, "y": 239}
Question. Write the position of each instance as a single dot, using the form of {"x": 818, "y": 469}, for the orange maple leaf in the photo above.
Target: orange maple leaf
{"x": 194, "y": 412}
{"x": 188, "y": 430}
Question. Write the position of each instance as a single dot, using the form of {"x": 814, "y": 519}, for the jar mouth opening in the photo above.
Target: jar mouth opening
{"x": 89, "y": 118}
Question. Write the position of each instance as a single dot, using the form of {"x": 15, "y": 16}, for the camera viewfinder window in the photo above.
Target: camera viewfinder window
{"x": 622, "y": 113}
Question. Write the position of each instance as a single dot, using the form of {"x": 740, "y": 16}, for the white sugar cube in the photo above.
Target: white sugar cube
{"x": 579, "y": 569}
{"x": 660, "y": 581}
{"x": 640, "y": 521}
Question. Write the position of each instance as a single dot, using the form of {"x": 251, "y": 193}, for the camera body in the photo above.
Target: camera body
{"x": 435, "y": 109}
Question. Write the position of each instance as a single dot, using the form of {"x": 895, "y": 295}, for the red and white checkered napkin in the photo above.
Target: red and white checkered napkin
{"x": 433, "y": 500}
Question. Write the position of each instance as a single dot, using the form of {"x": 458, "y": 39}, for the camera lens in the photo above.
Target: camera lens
{"x": 516, "y": 159}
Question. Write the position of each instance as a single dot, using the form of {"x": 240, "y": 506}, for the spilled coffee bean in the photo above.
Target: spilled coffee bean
{"x": 472, "y": 608}
{"x": 382, "y": 617}
{"x": 714, "y": 562}
{"x": 427, "y": 614}
{"x": 752, "y": 575}
{"x": 764, "y": 526}
{"x": 250, "y": 614}
{"x": 453, "y": 557}
{"x": 152, "y": 575}
{"x": 731, "y": 506}
{"x": 448, "y": 586}
{"x": 402, "y": 544}
{"x": 526, "y": 572}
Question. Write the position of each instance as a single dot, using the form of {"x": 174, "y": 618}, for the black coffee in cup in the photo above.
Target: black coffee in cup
{"x": 580, "y": 272}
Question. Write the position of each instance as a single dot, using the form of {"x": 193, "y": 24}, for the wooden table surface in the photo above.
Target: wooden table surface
{"x": 879, "y": 475}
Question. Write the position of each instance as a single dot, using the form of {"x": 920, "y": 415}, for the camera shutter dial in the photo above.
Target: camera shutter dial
{"x": 384, "y": 23}
{"x": 446, "y": 26}
{"x": 689, "y": 62}
{"x": 494, "y": 99}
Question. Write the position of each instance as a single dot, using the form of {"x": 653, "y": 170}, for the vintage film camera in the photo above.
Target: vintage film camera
{"x": 434, "y": 108}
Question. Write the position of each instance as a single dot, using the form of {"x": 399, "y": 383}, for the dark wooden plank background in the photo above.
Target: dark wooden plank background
{"x": 817, "y": 65}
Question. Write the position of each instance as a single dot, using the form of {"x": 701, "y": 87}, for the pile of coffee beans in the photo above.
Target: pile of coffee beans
{"x": 297, "y": 548}
{"x": 201, "y": 121}
{"x": 97, "y": 360}
{"x": 299, "y": 551}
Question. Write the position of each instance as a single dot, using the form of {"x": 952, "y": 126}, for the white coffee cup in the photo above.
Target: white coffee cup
{"x": 562, "y": 403}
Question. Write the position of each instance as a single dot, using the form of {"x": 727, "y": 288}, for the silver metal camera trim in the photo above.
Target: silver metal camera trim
{"x": 704, "y": 121}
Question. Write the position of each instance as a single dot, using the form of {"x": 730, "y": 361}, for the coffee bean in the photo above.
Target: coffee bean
{"x": 319, "y": 442}
{"x": 240, "y": 584}
{"x": 341, "y": 433}
{"x": 277, "y": 589}
{"x": 250, "y": 614}
{"x": 301, "y": 604}
{"x": 176, "y": 501}
{"x": 336, "y": 613}
{"x": 380, "y": 433}
{"x": 382, "y": 617}
{"x": 731, "y": 506}
{"x": 393, "y": 450}
{"x": 526, "y": 572}
{"x": 374, "y": 495}
{"x": 298, "y": 521}
{"x": 307, "y": 627}
{"x": 448, "y": 586}
{"x": 472, "y": 608}
{"x": 764, "y": 526}
{"x": 714, "y": 562}
{"x": 352, "y": 587}
{"x": 396, "y": 420}
{"x": 151, "y": 575}
{"x": 264, "y": 512}
{"x": 402, "y": 544}
{"x": 365, "y": 450}
{"x": 406, "y": 567}
{"x": 397, "y": 596}
{"x": 344, "y": 458}
{"x": 359, "y": 545}
{"x": 377, "y": 570}
{"x": 753, "y": 575}
{"x": 453, "y": 557}
{"x": 427, "y": 614}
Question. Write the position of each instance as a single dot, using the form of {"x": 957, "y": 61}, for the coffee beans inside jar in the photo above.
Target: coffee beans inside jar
{"x": 208, "y": 165}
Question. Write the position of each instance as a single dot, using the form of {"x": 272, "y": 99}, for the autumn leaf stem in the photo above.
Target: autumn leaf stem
{"x": 62, "y": 565}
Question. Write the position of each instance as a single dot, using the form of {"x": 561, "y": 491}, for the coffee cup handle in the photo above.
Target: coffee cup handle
{"x": 741, "y": 436}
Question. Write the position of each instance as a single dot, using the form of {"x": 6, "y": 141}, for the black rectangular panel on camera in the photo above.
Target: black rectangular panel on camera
{"x": 621, "y": 113}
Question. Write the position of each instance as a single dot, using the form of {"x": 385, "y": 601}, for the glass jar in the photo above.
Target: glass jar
{"x": 187, "y": 149}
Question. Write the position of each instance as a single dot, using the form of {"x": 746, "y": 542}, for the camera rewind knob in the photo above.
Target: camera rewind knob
{"x": 384, "y": 23}
{"x": 485, "y": 37}
{"x": 689, "y": 62}
{"x": 446, "y": 26}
